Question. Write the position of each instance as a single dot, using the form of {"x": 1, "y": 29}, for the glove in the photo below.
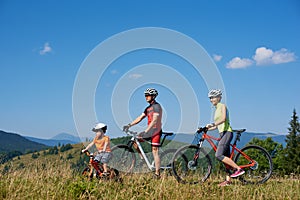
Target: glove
{"x": 83, "y": 150}
{"x": 126, "y": 127}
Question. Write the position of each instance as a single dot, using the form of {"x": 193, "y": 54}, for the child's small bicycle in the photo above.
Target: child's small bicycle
{"x": 192, "y": 164}
{"x": 95, "y": 169}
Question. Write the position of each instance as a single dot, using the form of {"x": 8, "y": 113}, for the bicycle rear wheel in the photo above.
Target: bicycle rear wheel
{"x": 263, "y": 165}
{"x": 166, "y": 159}
{"x": 191, "y": 164}
{"x": 123, "y": 158}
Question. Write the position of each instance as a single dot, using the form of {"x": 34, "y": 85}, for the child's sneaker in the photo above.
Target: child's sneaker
{"x": 225, "y": 183}
{"x": 237, "y": 173}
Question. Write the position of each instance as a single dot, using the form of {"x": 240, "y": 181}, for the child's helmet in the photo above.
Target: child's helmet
{"x": 99, "y": 126}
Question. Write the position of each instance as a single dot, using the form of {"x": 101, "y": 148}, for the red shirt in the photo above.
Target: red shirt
{"x": 156, "y": 109}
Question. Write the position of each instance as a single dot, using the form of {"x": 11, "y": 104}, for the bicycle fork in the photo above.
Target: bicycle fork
{"x": 196, "y": 155}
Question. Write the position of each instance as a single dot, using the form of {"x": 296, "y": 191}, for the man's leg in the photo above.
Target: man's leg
{"x": 156, "y": 160}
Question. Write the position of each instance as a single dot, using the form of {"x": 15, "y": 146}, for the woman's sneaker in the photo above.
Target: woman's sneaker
{"x": 225, "y": 183}
{"x": 237, "y": 173}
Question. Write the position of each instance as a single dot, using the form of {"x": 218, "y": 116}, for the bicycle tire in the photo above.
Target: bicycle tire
{"x": 166, "y": 159}
{"x": 123, "y": 158}
{"x": 86, "y": 172}
{"x": 184, "y": 168}
{"x": 262, "y": 170}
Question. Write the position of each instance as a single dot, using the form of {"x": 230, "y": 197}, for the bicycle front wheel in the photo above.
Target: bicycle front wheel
{"x": 86, "y": 172}
{"x": 261, "y": 164}
{"x": 191, "y": 164}
{"x": 123, "y": 158}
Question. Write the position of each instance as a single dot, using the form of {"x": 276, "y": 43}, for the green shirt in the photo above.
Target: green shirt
{"x": 225, "y": 126}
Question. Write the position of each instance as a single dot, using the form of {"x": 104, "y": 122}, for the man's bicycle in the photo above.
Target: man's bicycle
{"x": 124, "y": 155}
{"x": 95, "y": 169}
{"x": 192, "y": 164}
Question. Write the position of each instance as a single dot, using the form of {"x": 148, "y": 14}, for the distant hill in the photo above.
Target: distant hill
{"x": 60, "y": 139}
{"x": 245, "y": 138}
{"x": 15, "y": 142}
{"x": 67, "y": 136}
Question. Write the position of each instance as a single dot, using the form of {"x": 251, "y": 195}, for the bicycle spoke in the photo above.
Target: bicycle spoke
{"x": 123, "y": 159}
{"x": 166, "y": 159}
{"x": 191, "y": 168}
{"x": 259, "y": 168}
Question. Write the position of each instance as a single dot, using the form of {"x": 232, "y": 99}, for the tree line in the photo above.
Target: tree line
{"x": 285, "y": 160}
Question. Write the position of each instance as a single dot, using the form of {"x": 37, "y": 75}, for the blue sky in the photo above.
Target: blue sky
{"x": 254, "y": 45}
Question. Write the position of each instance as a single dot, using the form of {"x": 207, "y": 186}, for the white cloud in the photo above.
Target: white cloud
{"x": 46, "y": 49}
{"x": 264, "y": 56}
{"x": 217, "y": 58}
{"x": 135, "y": 76}
{"x": 237, "y": 63}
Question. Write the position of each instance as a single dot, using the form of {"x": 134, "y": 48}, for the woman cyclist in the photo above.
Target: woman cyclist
{"x": 221, "y": 122}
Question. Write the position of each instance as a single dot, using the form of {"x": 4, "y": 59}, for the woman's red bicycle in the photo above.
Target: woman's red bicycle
{"x": 192, "y": 164}
{"x": 95, "y": 169}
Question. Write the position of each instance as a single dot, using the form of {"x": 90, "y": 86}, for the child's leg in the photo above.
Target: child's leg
{"x": 105, "y": 167}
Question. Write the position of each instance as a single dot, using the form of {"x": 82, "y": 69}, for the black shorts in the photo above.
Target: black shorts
{"x": 223, "y": 148}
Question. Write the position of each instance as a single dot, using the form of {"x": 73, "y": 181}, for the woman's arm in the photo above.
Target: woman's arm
{"x": 223, "y": 116}
{"x": 214, "y": 125}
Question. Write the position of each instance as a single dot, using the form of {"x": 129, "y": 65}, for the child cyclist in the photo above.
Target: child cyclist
{"x": 102, "y": 144}
{"x": 221, "y": 122}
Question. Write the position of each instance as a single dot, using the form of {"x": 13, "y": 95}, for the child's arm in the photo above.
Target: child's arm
{"x": 104, "y": 147}
{"x": 88, "y": 146}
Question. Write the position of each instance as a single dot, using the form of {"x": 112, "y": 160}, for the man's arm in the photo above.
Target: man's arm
{"x": 137, "y": 120}
{"x": 153, "y": 122}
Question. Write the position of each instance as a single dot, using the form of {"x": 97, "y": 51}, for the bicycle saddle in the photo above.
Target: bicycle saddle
{"x": 167, "y": 134}
{"x": 239, "y": 130}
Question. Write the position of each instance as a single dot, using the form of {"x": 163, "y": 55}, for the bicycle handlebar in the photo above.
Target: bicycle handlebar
{"x": 202, "y": 129}
{"x": 128, "y": 132}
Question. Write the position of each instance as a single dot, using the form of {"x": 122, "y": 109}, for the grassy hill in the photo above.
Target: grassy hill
{"x": 15, "y": 142}
{"x": 56, "y": 176}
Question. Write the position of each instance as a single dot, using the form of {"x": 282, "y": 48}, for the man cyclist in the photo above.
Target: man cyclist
{"x": 153, "y": 131}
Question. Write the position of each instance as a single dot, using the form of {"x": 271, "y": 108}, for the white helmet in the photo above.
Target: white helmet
{"x": 99, "y": 126}
{"x": 214, "y": 93}
{"x": 151, "y": 92}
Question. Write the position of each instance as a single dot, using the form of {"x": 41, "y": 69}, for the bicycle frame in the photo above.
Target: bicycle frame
{"x": 210, "y": 139}
{"x": 94, "y": 164}
{"x": 135, "y": 140}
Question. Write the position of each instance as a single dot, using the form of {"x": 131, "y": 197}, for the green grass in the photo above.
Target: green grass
{"x": 51, "y": 177}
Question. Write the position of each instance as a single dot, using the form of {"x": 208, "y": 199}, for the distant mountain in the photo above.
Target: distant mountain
{"x": 15, "y": 142}
{"x": 60, "y": 139}
{"x": 245, "y": 138}
{"x": 67, "y": 136}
